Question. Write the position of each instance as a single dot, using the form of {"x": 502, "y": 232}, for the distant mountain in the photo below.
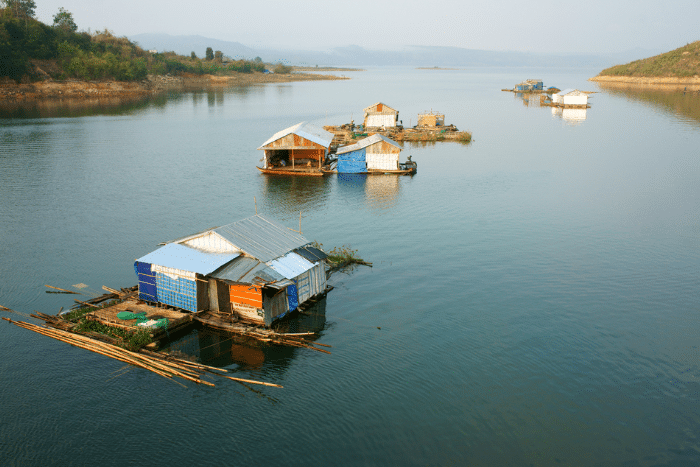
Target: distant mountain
{"x": 408, "y": 55}
{"x": 185, "y": 45}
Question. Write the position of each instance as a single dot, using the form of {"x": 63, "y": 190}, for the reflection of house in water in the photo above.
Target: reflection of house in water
{"x": 289, "y": 195}
{"x": 382, "y": 192}
{"x": 222, "y": 349}
{"x": 571, "y": 116}
{"x": 378, "y": 191}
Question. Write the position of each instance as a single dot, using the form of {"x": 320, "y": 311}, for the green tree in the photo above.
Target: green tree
{"x": 210, "y": 53}
{"x": 219, "y": 56}
{"x": 20, "y": 8}
{"x": 257, "y": 60}
{"x": 64, "y": 20}
{"x": 193, "y": 55}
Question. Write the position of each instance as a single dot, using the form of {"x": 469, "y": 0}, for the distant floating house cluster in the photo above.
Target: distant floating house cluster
{"x": 530, "y": 85}
{"x": 254, "y": 269}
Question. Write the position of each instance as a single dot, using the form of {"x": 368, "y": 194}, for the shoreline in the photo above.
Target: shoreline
{"x": 669, "y": 83}
{"x": 11, "y": 92}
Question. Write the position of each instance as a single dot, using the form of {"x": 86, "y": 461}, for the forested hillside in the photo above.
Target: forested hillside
{"x": 31, "y": 50}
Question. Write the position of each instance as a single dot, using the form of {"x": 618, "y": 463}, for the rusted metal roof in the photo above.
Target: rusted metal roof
{"x": 305, "y": 130}
{"x": 261, "y": 237}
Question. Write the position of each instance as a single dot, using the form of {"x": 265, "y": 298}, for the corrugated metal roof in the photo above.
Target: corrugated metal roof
{"x": 177, "y": 256}
{"x": 290, "y": 265}
{"x": 261, "y": 237}
{"x": 566, "y": 91}
{"x": 364, "y": 142}
{"x": 248, "y": 271}
{"x": 305, "y": 130}
{"x": 311, "y": 253}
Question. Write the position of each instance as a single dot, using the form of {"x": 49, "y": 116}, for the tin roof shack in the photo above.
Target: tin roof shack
{"x": 374, "y": 153}
{"x": 303, "y": 146}
{"x": 431, "y": 119}
{"x": 254, "y": 268}
{"x": 570, "y": 97}
{"x": 380, "y": 115}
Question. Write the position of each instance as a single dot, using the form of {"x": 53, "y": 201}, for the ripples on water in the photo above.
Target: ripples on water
{"x": 533, "y": 298}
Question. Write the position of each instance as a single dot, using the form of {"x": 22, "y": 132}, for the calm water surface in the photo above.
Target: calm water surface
{"x": 534, "y": 297}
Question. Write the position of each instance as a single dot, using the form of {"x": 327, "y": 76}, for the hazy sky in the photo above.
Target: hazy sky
{"x": 593, "y": 26}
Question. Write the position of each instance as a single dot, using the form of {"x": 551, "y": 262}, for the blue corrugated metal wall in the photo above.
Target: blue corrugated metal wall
{"x": 352, "y": 167}
{"x": 178, "y": 292}
{"x": 292, "y": 297}
{"x": 356, "y": 156}
{"x": 148, "y": 290}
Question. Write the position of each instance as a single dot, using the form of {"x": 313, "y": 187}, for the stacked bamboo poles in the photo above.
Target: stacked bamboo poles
{"x": 157, "y": 363}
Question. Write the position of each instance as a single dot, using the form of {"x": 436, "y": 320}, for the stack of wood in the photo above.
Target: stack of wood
{"x": 161, "y": 364}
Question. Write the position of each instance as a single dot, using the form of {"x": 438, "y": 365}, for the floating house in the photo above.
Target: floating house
{"x": 572, "y": 97}
{"x": 300, "y": 148}
{"x": 431, "y": 119}
{"x": 255, "y": 269}
{"x": 530, "y": 85}
{"x": 376, "y": 152}
{"x": 380, "y": 115}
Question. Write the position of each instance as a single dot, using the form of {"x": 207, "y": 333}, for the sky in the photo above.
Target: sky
{"x": 543, "y": 26}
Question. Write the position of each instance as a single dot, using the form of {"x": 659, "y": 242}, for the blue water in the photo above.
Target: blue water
{"x": 533, "y": 298}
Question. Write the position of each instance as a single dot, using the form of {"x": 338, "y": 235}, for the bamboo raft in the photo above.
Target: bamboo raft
{"x": 160, "y": 363}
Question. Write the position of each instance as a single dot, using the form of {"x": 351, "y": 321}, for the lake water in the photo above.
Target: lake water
{"x": 534, "y": 298}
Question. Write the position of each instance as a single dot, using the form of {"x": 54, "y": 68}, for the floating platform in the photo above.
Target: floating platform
{"x": 177, "y": 320}
{"x": 306, "y": 172}
{"x": 349, "y": 134}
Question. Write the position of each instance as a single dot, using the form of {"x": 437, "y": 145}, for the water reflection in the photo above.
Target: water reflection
{"x": 223, "y": 349}
{"x": 83, "y": 107}
{"x": 282, "y": 195}
{"x": 676, "y": 100}
{"x": 378, "y": 191}
{"x": 569, "y": 115}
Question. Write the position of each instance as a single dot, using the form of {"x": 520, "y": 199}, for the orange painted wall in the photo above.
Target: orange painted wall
{"x": 246, "y": 295}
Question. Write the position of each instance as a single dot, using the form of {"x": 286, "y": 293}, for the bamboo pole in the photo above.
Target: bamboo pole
{"x": 251, "y": 381}
{"x": 63, "y": 290}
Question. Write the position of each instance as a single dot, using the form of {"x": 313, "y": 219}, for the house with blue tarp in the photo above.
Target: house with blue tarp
{"x": 255, "y": 269}
{"x": 376, "y": 152}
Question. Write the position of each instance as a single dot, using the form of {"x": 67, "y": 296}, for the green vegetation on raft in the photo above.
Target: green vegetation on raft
{"x": 131, "y": 340}
{"x": 75, "y": 315}
{"x": 683, "y": 62}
